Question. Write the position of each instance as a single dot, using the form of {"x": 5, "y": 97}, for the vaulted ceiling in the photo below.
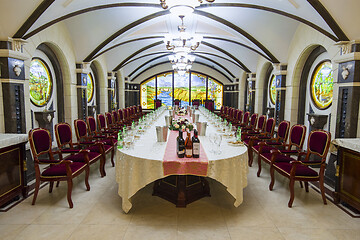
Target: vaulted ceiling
{"x": 129, "y": 34}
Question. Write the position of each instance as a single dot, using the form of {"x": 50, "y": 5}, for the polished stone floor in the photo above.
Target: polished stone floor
{"x": 97, "y": 214}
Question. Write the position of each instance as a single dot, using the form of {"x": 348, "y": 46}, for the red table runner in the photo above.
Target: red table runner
{"x": 183, "y": 166}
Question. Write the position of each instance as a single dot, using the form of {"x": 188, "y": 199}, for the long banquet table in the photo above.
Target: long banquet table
{"x": 143, "y": 164}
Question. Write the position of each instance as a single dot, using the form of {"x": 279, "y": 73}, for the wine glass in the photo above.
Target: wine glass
{"x": 217, "y": 142}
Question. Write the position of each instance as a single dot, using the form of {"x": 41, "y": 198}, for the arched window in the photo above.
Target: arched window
{"x": 272, "y": 89}
{"x": 321, "y": 85}
{"x": 169, "y": 86}
{"x": 40, "y": 82}
{"x": 90, "y": 87}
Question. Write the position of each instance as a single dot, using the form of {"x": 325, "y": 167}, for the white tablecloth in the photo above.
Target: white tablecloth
{"x": 137, "y": 167}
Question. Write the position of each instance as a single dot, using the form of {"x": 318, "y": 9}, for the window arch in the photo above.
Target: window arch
{"x": 40, "y": 82}
{"x": 168, "y": 86}
{"x": 321, "y": 85}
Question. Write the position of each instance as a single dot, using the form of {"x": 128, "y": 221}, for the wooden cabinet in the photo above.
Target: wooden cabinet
{"x": 347, "y": 187}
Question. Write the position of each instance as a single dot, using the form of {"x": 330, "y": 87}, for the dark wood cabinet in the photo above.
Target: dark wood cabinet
{"x": 347, "y": 187}
{"x": 11, "y": 172}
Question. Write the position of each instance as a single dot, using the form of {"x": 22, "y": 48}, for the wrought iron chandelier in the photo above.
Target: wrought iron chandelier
{"x": 183, "y": 42}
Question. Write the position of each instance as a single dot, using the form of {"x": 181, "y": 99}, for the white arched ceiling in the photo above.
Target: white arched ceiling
{"x": 126, "y": 33}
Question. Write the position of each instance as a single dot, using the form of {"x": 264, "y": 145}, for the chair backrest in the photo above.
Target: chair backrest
{"x": 253, "y": 120}
{"x": 126, "y": 113}
{"x": 109, "y": 120}
{"x": 246, "y": 118}
{"x": 101, "y": 121}
{"x": 270, "y": 126}
{"x": 120, "y": 114}
{"x": 262, "y": 123}
{"x": 283, "y": 130}
{"x": 222, "y": 109}
{"x": 115, "y": 116}
{"x": 297, "y": 136}
{"x": 236, "y": 112}
{"x": 319, "y": 143}
{"x": 177, "y": 102}
{"x": 226, "y": 110}
{"x": 91, "y": 124}
{"x": 139, "y": 109}
{"x": 240, "y": 115}
{"x": 63, "y": 135}
{"x": 80, "y": 129}
{"x": 40, "y": 142}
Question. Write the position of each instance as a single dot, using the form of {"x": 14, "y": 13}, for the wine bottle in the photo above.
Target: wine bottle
{"x": 196, "y": 145}
{"x": 180, "y": 145}
{"x": 188, "y": 146}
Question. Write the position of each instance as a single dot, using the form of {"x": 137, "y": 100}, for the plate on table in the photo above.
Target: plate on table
{"x": 228, "y": 135}
{"x": 236, "y": 143}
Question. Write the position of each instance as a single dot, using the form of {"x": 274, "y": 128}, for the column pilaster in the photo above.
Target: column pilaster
{"x": 348, "y": 85}
{"x": 250, "y": 96}
{"x": 280, "y": 72}
{"x": 12, "y": 77}
{"x": 82, "y": 70}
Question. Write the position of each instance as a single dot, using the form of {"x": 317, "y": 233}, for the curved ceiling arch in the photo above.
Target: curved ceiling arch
{"x": 168, "y": 53}
{"x": 195, "y": 54}
{"x": 340, "y": 35}
{"x": 167, "y": 62}
{"x": 125, "y": 61}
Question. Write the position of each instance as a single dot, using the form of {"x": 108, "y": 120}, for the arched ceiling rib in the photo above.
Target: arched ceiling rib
{"x": 235, "y": 46}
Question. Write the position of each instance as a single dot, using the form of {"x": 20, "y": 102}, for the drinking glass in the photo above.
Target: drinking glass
{"x": 217, "y": 142}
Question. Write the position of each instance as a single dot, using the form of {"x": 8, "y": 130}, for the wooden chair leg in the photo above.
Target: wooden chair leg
{"x": 322, "y": 189}
{"x": 292, "y": 192}
{"x": 250, "y": 155}
{"x": 51, "y": 186}
{"x": 58, "y": 183}
{"x": 301, "y": 184}
{"x": 37, "y": 187}
{"x": 70, "y": 184}
{"x": 87, "y": 173}
{"x": 259, "y": 164}
{"x": 112, "y": 156}
{"x": 272, "y": 175}
{"x": 102, "y": 165}
{"x": 306, "y": 186}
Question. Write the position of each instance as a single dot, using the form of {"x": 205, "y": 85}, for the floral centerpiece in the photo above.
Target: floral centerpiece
{"x": 181, "y": 124}
{"x": 181, "y": 112}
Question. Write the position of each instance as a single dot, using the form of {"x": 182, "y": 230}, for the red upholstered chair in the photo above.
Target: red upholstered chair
{"x": 94, "y": 145}
{"x": 177, "y": 102}
{"x": 295, "y": 145}
{"x": 110, "y": 122}
{"x": 57, "y": 170}
{"x": 235, "y": 115}
{"x": 65, "y": 144}
{"x": 246, "y": 135}
{"x": 300, "y": 169}
{"x": 221, "y": 111}
{"x": 238, "y": 119}
{"x": 252, "y": 123}
{"x": 246, "y": 119}
{"x": 140, "y": 110}
{"x": 121, "y": 115}
{"x": 116, "y": 118}
{"x": 109, "y": 138}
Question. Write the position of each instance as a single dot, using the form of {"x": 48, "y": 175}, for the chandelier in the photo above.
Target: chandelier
{"x": 181, "y": 62}
{"x": 184, "y": 42}
{"x": 182, "y": 7}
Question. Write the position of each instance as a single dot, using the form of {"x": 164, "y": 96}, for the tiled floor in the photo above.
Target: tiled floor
{"x": 97, "y": 215}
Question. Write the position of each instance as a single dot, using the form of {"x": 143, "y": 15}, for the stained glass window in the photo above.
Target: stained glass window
{"x": 90, "y": 87}
{"x": 215, "y": 92}
{"x": 161, "y": 87}
{"x": 321, "y": 86}
{"x": 272, "y": 89}
{"x": 40, "y": 82}
{"x": 164, "y": 88}
{"x": 198, "y": 86}
{"x": 181, "y": 89}
{"x": 147, "y": 93}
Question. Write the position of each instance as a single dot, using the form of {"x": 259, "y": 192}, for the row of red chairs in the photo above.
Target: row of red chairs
{"x": 285, "y": 156}
{"x": 95, "y": 139}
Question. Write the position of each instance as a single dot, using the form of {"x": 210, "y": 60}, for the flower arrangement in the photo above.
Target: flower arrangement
{"x": 181, "y": 112}
{"x": 181, "y": 124}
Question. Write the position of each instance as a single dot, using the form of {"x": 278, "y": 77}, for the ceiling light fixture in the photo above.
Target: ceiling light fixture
{"x": 184, "y": 42}
{"x": 182, "y": 7}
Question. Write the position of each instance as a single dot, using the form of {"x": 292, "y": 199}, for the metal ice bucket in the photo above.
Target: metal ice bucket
{"x": 201, "y": 127}
{"x": 161, "y": 133}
